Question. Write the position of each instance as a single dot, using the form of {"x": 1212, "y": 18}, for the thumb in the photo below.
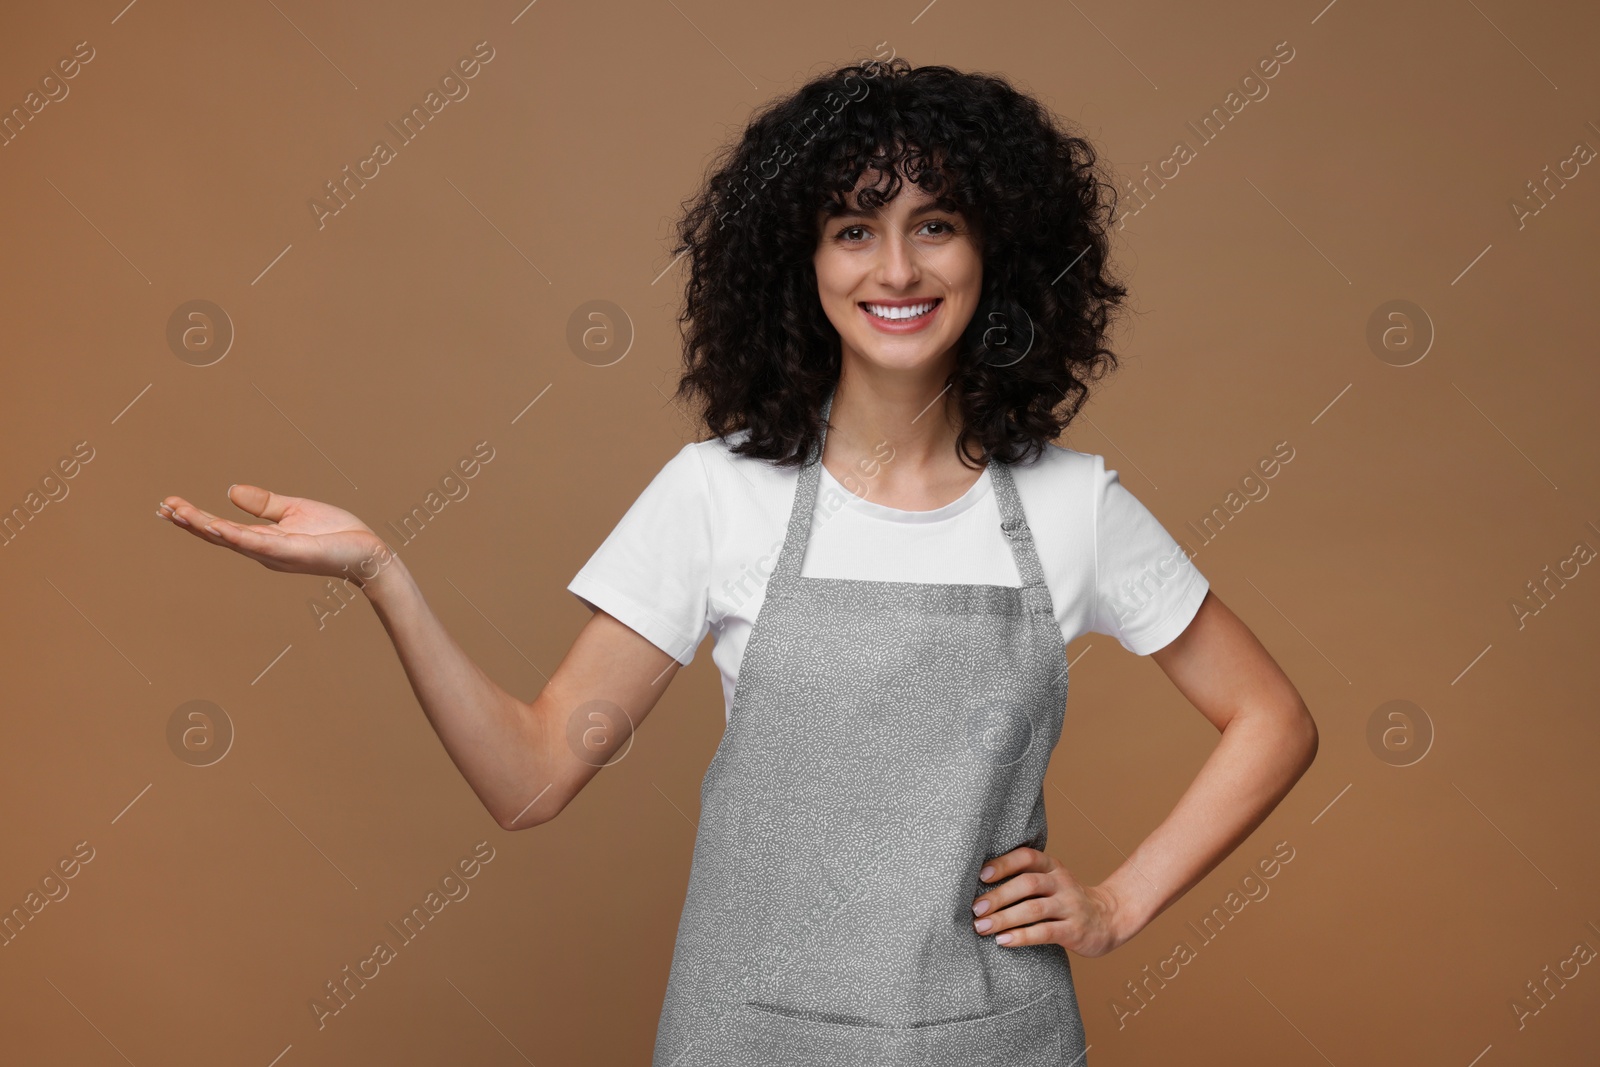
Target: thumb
{"x": 258, "y": 501}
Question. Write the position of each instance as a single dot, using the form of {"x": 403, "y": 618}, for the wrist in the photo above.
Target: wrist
{"x": 379, "y": 573}
{"x": 1126, "y": 911}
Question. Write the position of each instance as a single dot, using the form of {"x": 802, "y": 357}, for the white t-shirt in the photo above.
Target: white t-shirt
{"x": 693, "y": 553}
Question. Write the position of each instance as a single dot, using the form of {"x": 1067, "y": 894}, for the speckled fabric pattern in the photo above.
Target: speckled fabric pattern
{"x": 886, "y": 739}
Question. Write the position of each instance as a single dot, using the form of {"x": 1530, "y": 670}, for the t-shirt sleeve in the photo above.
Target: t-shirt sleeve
{"x": 1147, "y": 588}
{"x": 652, "y": 571}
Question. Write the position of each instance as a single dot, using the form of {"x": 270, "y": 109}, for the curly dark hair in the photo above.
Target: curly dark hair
{"x": 759, "y": 352}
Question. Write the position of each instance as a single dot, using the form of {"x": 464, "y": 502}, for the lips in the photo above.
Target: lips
{"x": 895, "y": 311}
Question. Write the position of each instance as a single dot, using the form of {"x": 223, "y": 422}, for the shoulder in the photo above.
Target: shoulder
{"x": 728, "y": 474}
{"x": 1058, "y": 475}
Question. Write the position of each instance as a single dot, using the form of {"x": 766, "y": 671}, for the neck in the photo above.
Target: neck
{"x": 891, "y": 438}
{"x": 913, "y": 414}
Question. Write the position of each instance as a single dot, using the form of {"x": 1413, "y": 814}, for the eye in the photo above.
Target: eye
{"x": 949, "y": 228}
{"x": 843, "y": 235}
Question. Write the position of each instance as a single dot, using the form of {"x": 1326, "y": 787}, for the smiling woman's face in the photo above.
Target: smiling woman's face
{"x": 899, "y": 285}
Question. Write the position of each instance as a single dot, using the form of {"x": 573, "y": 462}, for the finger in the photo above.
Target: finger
{"x": 1018, "y": 859}
{"x": 1044, "y": 933}
{"x": 1032, "y": 910}
{"x": 201, "y": 523}
{"x": 185, "y": 513}
{"x": 1027, "y": 884}
{"x": 260, "y": 502}
{"x": 264, "y": 544}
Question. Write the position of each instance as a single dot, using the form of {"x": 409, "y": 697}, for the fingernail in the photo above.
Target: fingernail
{"x": 1004, "y": 939}
{"x": 986, "y": 874}
{"x": 229, "y": 493}
{"x": 980, "y": 907}
{"x": 982, "y": 924}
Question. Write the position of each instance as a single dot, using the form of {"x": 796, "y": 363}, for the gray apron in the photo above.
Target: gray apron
{"x": 885, "y": 740}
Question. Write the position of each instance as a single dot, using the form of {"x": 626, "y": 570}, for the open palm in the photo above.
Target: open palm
{"x": 301, "y": 536}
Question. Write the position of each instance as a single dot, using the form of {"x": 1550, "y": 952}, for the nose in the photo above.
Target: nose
{"x": 898, "y": 263}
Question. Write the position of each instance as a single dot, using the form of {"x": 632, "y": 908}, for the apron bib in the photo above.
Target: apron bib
{"x": 886, "y": 739}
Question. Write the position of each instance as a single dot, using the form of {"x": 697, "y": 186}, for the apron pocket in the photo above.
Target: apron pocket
{"x": 1026, "y": 1036}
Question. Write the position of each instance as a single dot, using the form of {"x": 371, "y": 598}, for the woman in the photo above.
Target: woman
{"x": 899, "y": 273}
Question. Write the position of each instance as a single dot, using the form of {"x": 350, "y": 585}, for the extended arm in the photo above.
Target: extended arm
{"x": 525, "y": 761}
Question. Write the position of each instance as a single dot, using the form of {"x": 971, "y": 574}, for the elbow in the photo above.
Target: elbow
{"x": 537, "y": 813}
{"x": 1307, "y": 738}
{"x": 513, "y": 822}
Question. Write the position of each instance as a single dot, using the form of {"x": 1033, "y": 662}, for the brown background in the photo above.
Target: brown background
{"x": 373, "y": 353}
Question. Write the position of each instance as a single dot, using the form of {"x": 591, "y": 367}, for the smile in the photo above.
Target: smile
{"x": 901, "y": 317}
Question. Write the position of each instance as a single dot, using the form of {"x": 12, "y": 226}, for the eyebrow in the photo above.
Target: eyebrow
{"x": 833, "y": 210}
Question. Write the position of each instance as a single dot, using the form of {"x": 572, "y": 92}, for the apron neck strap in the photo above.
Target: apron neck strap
{"x": 1013, "y": 522}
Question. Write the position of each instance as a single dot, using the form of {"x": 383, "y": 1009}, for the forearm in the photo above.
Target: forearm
{"x": 1260, "y": 756}
{"x": 492, "y": 737}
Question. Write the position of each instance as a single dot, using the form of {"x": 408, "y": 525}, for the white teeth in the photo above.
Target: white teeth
{"x": 910, "y": 311}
